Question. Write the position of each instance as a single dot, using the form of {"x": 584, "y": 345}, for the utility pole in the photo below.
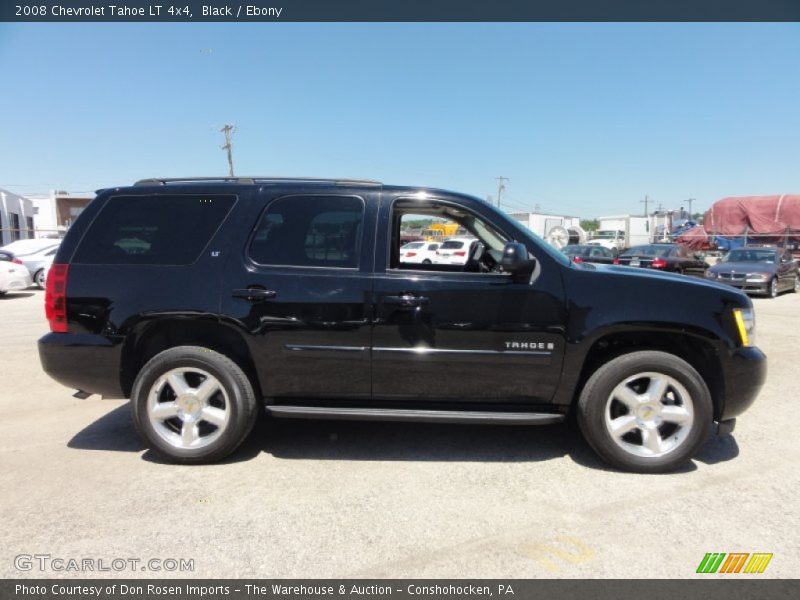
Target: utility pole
{"x": 228, "y": 130}
{"x": 690, "y": 200}
{"x": 646, "y": 202}
{"x": 501, "y": 187}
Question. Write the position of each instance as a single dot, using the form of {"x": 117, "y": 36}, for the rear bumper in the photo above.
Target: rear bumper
{"x": 745, "y": 373}
{"x": 83, "y": 361}
{"x": 19, "y": 281}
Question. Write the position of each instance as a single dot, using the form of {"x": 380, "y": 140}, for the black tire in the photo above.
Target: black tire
{"x": 796, "y": 286}
{"x": 427, "y": 261}
{"x": 240, "y": 401}
{"x": 773, "y": 288}
{"x": 596, "y": 397}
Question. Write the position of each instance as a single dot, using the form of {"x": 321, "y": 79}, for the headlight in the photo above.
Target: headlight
{"x": 745, "y": 320}
{"x": 757, "y": 277}
{"x": 711, "y": 274}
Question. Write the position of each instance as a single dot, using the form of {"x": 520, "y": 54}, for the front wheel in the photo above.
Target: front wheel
{"x": 796, "y": 287}
{"x": 193, "y": 405}
{"x": 646, "y": 411}
{"x": 773, "y": 288}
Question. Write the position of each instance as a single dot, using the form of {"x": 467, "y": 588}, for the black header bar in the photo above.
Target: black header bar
{"x": 398, "y": 10}
{"x": 732, "y": 588}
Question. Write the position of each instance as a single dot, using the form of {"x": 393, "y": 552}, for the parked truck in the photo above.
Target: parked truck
{"x": 624, "y": 231}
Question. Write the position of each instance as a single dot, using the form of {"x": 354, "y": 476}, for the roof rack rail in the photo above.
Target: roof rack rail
{"x": 255, "y": 180}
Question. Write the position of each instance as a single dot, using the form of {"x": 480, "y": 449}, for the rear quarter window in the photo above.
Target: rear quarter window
{"x": 153, "y": 230}
{"x": 310, "y": 231}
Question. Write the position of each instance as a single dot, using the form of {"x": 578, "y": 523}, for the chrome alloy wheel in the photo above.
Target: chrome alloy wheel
{"x": 649, "y": 414}
{"x": 188, "y": 408}
{"x": 773, "y": 288}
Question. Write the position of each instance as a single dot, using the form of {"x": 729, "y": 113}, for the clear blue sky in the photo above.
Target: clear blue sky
{"x": 583, "y": 118}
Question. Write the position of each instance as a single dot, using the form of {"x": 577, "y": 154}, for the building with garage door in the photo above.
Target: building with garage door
{"x": 56, "y": 211}
{"x": 16, "y": 217}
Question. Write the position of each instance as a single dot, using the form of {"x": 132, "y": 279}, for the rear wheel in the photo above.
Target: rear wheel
{"x": 38, "y": 278}
{"x": 193, "y": 405}
{"x": 646, "y": 411}
{"x": 427, "y": 261}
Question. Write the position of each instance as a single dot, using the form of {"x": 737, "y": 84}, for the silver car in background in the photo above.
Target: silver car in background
{"x": 766, "y": 270}
{"x": 34, "y": 254}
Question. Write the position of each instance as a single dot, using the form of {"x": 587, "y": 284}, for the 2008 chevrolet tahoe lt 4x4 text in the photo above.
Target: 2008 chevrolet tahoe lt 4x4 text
{"x": 203, "y": 299}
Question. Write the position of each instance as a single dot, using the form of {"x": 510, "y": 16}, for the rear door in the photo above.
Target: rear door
{"x": 300, "y": 287}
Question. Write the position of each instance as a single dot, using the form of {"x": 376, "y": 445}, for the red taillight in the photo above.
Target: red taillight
{"x": 658, "y": 263}
{"x": 615, "y": 261}
{"x": 460, "y": 253}
{"x": 55, "y": 298}
{"x": 17, "y": 261}
{"x": 411, "y": 253}
{"x": 577, "y": 259}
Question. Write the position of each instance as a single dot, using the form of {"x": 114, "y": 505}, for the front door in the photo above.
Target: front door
{"x": 301, "y": 289}
{"x": 461, "y": 332}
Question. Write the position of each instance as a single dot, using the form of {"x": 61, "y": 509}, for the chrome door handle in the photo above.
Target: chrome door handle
{"x": 254, "y": 294}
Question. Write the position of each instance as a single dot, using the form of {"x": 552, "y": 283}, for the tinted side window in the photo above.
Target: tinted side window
{"x": 310, "y": 231}
{"x": 153, "y": 230}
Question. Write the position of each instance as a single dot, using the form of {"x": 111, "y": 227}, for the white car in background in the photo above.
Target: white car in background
{"x": 419, "y": 252}
{"x": 13, "y": 277}
{"x": 453, "y": 251}
{"x": 34, "y": 253}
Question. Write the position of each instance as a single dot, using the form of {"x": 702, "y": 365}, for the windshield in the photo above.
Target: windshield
{"x": 647, "y": 251}
{"x": 608, "y": 234}
{"x": 750, "y": 255}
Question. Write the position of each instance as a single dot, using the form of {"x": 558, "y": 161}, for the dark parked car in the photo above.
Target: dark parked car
{"x": 589, "y": 253}
{"x": 664, "y": 257}
{"x": 204, "y": 300}
{"x": 762, "y": 270}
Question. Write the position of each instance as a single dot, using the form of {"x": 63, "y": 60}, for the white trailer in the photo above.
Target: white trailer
{"x": 621, "y": 231}
{"x": 558, "y": 230}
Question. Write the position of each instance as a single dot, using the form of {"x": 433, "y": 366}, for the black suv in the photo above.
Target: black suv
{"x": 204, "y": 299}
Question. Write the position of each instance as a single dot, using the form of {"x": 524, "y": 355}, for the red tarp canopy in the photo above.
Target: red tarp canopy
{"x": 695, "y": 238}
{"x": 766, "y": 215}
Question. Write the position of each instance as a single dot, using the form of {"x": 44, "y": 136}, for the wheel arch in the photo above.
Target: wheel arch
{"x": 700, "y": 350}
{"x": 152, "y": 336}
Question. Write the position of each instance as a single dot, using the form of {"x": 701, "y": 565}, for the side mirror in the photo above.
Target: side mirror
{"x": 516, "y": 262}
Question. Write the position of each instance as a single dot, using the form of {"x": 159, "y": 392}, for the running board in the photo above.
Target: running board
{"x": 419, "y": 415}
